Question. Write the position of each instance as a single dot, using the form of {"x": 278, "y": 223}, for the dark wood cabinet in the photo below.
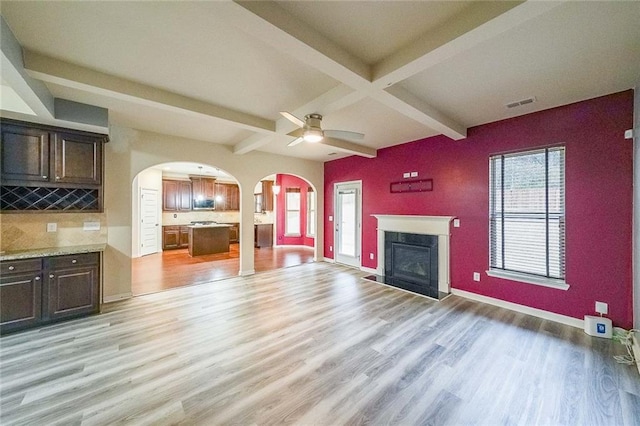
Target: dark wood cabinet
{"x": 203, "y": 187}
{"x": 176, "y": 195}
{"x": 25, "y": 154}
{"x": 227, "y": 197}
{"x": 20, "y": 294}
{"x": 43, "y": 290}
{"x": 72, "y": 288}
{"x": 263, "y": 235}
{"x": 175, "y": 237}
{"x": 77, "y": 159}
{"x": 267, "y": 195}
{"x": 234, "y": 233}
{"x": 50, "y": 169}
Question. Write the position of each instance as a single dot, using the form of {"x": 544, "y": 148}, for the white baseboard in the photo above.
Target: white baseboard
{"x": 329, "y": 260}
{"x": 562, "y": 319}
{"x": 116, "y": 297}
{"x": 247, "y": 272}
{"x": 368, "y": 270}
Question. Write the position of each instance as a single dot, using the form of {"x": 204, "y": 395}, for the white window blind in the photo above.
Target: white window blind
{"x": 527, "y": 213}
{"x": 292, "y": 217}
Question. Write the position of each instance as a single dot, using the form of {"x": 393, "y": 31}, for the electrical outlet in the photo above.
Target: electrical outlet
{"x": 330, "y": 248}
{"x": 602, "y": 308}
{"x": 628, "y": 134}
{"x": 476, "y": 276}
{"x": 371, "y": 256}
{"x": 52, "y": 227}
{"x": 91, "y": 226}
{"x": 330, "y": 218}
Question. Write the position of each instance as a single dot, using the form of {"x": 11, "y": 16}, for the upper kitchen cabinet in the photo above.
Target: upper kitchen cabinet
{"x": 227, "y": 197}
{"x": 267, "y": 195}
{"x": 33, "y": 154}
{"x": 51, "y": 169}
{"x": 203, "y": 192}
{"x": 176, "y": 195}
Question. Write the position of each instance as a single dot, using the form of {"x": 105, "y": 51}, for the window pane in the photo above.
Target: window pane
{"x": 526, "y": 212}
{"x": 293, "y": 223}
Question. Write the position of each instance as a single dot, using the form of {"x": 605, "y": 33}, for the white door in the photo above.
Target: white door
{"x": 149, "y": 222}
{"x": 347, "y": 223}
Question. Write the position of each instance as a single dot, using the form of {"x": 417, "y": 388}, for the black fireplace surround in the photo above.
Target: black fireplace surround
{"x": 411, "y": 263}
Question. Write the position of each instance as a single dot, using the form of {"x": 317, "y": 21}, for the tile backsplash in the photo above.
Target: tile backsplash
{"x": 29, "y": 231}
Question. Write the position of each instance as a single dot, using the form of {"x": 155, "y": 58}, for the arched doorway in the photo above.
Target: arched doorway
{"x": 185, "y": 226}
{"x": 284, "y": 222}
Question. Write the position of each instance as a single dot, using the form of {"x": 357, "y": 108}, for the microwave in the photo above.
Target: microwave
{"x": 204, "y": 204}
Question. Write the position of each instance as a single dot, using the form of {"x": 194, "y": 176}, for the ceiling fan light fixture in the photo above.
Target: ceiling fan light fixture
{"x": 313, "y": 135}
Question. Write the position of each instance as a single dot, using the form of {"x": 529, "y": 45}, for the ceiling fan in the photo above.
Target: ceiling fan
{"x": 311, "y": 130}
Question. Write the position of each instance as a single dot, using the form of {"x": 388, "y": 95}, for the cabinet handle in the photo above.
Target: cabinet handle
{"x": 37, "y": 278}
{"x": 51, "y": 276}
{"x": 74, "y": 261}
{"x": 11, "y": 268}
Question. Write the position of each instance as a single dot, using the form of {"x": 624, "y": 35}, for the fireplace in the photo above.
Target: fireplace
{"x": 413, "y": 254}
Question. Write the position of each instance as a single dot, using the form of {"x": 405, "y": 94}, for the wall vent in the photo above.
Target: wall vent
{"x": 521, "y": 102}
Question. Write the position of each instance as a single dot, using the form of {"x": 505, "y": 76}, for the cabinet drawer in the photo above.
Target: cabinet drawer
{"x": 71, "y": 260}
{"x": 24, "y": 265}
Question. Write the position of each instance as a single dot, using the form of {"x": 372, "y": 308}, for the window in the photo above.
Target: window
{"x": 292, "y": 218}
{"x": 527, "y": 217}
{"x": 311, "y": 213}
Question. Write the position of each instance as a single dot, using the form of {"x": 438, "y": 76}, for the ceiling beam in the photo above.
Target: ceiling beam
{"x": 350, "y": 147}
{"x": 480, "y": 22}
{"x": 272, "y": 24}
{"x": 69, "y": 75}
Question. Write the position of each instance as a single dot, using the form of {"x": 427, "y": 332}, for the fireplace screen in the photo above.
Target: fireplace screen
{"x": 411, "y": 261}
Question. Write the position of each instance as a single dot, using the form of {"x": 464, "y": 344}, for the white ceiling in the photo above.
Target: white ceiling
{"x": 395, "y": 70}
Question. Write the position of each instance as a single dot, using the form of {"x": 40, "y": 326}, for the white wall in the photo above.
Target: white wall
{"x": 636, "y": 208}
{"x": 131, "y": 151}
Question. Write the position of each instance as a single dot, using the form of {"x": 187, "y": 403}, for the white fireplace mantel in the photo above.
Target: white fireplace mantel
{"x": 428, "y": 225}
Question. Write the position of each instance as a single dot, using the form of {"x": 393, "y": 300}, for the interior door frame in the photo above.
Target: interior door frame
{"x": 157, "y": 225}
{"x": 357, "y": 184}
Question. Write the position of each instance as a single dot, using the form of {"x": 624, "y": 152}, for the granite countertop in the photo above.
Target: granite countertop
{"x": 212, "y": 225}
{"x": 50, "y": 251}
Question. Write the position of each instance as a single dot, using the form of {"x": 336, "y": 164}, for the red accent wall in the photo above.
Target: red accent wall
{"x": 599, "y": 173}
{"x": 290, "y": 181}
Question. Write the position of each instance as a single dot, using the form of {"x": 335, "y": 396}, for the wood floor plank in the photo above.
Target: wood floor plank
{"x": 311, "y": 344}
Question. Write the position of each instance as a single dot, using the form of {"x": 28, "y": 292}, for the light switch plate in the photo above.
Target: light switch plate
{"x": 406, "y": 175}
{"x": 414, "y": 174}
{"x": 628, "y": 134}
{"x": 52, "y": 227}
{"x": 602, "y": 308}
{"x": 456, "y": 223}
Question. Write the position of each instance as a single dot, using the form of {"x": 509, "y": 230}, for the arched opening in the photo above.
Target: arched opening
{"x": 185, "y": 226}
{"x": 284, "y": 222}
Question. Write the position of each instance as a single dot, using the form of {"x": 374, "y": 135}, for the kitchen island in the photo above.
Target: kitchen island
{"x": 208, "y": 239}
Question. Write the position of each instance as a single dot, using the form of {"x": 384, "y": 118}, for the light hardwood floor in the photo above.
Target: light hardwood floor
{"x": 311, "y": 344}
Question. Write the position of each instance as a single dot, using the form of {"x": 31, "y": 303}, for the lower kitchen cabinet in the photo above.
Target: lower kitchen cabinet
{"x": 20, "y": 294}
{"x": 234, "y": 233}
{"x": 263, "y": 235}
{"x": 42, "y": 290}
{"x": 71, "y": 286}
{"x": 175, "y": 237}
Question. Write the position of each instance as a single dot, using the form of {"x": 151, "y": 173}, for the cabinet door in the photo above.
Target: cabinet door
{"x": 209, "y": 188}
{"x": 170, "y": 237}
{"x": 267, "y": 195}
{"x": 20, "y": 301}
{"x": 77, "y": 159}
{"x": 184, "y": 237}
{"x": 25, "y": 154}
{"x": 233, "y": 197}
{"x": 234, "y": 233}
{"x": 72, "y": 291}
{"x": 264, "y": 235}
{"x": 184, "y": 196}
{"x": 221, "y": 196}
{"x": 169, "y": 195}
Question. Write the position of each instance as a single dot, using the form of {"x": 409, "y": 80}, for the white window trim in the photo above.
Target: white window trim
{"x": 286, "y": 211}
{"x": 310, "y": 194}
{"x": 528, "y": 279}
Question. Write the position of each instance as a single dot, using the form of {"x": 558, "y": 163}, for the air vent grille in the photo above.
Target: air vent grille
{"x": 521, "y": 102}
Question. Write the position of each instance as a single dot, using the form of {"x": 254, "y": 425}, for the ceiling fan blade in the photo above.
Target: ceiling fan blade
{"x": 295, "y": 142}
{"x": 350, "y": 147}
{"x": 298, "y": 133}
{"x": 344, "y": 134}
{"x": 292, "y": 118}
